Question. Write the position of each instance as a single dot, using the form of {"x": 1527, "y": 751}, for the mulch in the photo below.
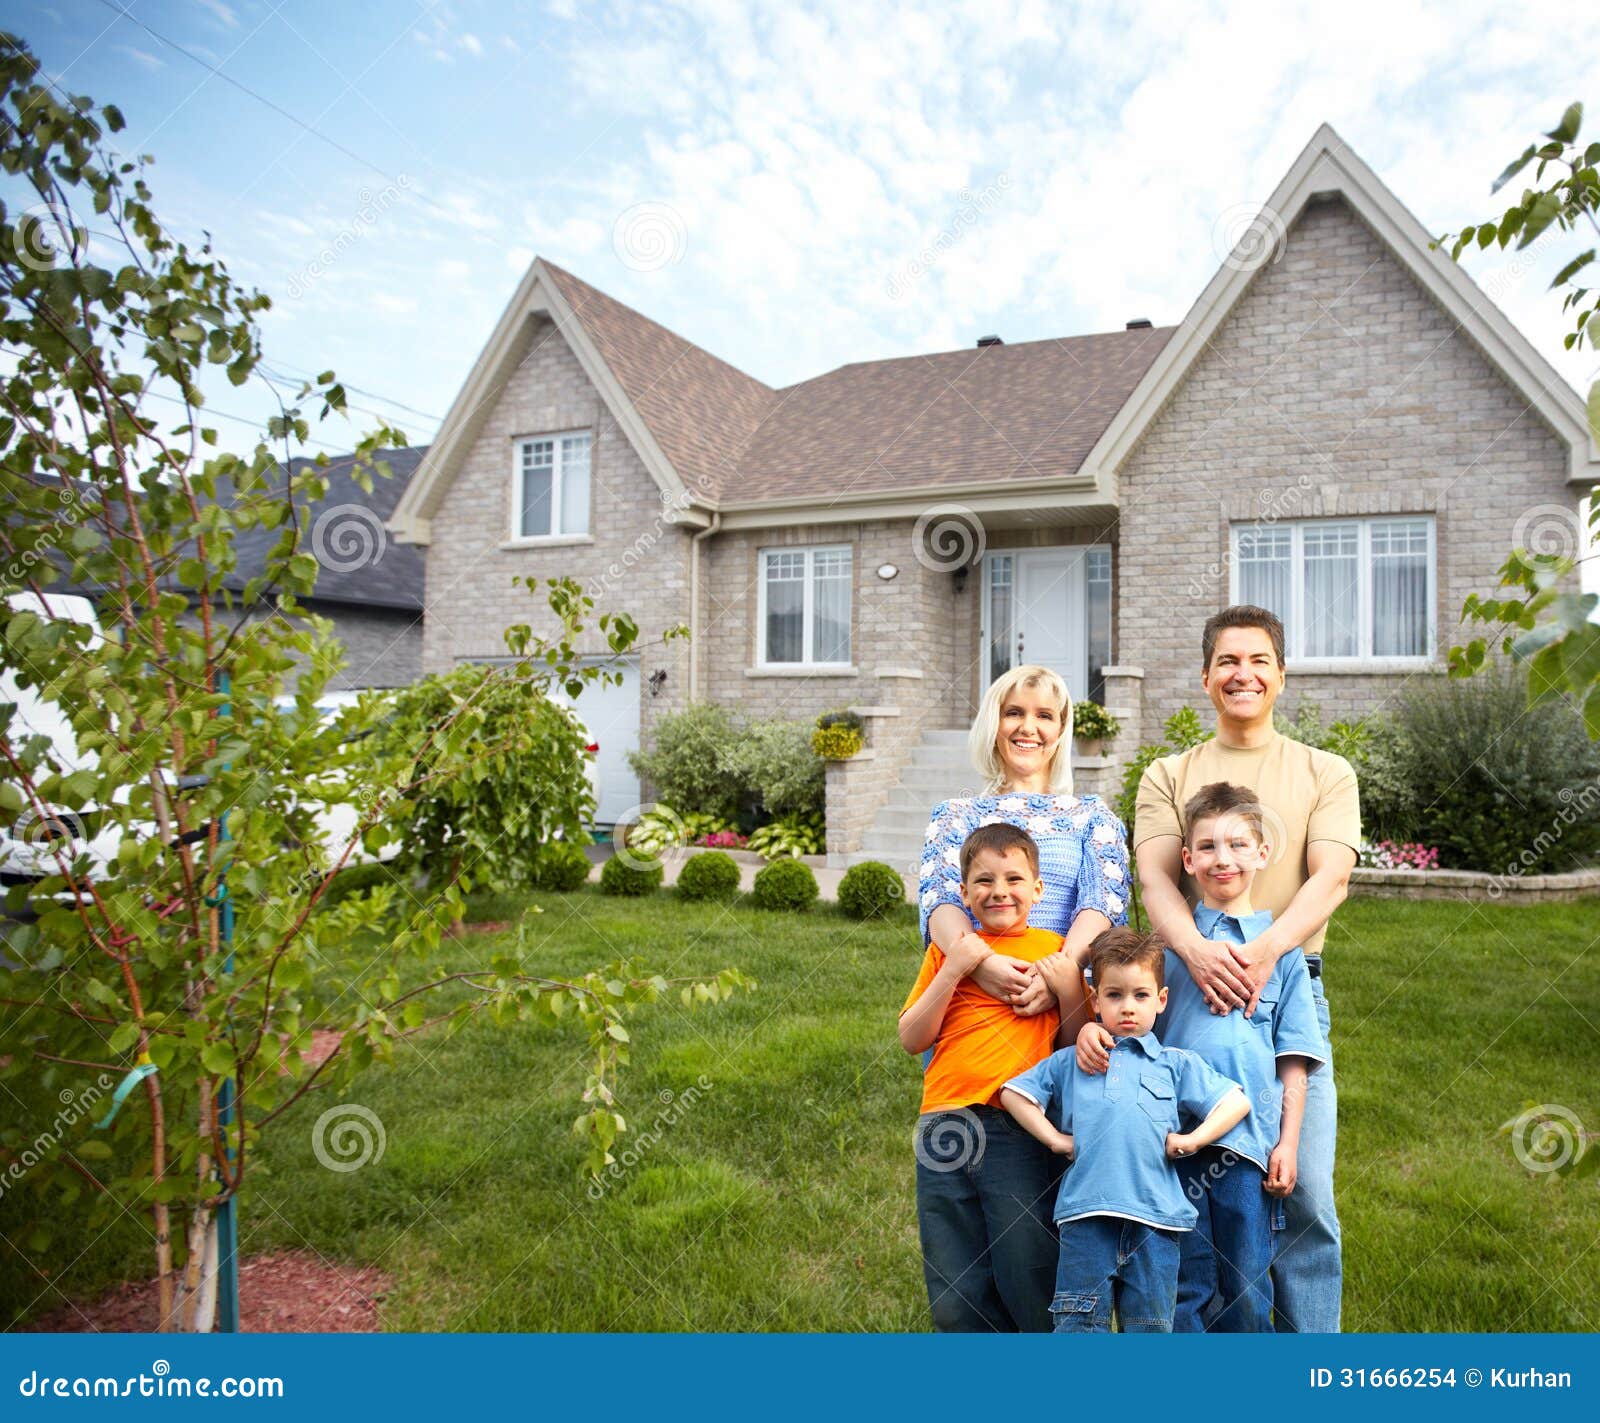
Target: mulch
{"x": 286, "y": 1292}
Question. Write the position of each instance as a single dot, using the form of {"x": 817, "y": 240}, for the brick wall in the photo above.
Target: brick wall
{"x": 637, "y": 562}
{"x": 1335, "y": 386}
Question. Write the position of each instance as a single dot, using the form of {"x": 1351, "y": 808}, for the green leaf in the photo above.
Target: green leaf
{"x": 217, "y": 1058}
{"x": 1580, "y": 656}
{"x": 1571, "y": 122}
{"x": 1576, "y": 265}
{"x": 1546, "y": 208}
{"x": 1591, "y": 713}
{"x": 123, "y": 1037}
{"x": 94, "y": 1149}
{"x": 1512, "y": 169}
{"x": 617, "y": 1031}
{"x": 1547, "y": 676}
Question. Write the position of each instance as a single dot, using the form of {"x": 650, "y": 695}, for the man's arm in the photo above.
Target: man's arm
{"x": 1213, "y": 966}
{"x": 1328, "y": 866}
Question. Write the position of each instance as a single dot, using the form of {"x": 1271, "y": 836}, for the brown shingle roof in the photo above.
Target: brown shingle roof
{"x": 996, "y": 413}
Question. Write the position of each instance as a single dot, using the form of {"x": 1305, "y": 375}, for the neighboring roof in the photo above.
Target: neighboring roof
{"x": 360, "y": 562}
{"x": 988, "y": 414}
{"x": 1328, "y": 167}
{"x": 701, "y": 410}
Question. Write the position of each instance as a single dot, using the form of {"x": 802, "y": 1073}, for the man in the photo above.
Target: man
{"x": 1309, "y": 801}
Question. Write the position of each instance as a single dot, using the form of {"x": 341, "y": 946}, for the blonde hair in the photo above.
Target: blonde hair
{"x": 986, "y": 727}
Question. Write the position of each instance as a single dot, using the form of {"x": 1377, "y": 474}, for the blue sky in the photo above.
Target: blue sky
{"x": 765, "y": 178}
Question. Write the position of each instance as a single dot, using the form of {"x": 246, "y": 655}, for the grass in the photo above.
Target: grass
{"x": 774, "y": 1190}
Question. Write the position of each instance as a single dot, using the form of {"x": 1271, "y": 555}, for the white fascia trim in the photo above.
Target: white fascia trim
{"x": 1328, "y": 166}
{"x": 1072, "y": 492}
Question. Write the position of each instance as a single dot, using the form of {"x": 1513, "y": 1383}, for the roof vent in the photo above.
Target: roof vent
{"x": 1139, "y": 323}
{"x": 990, "y": 341}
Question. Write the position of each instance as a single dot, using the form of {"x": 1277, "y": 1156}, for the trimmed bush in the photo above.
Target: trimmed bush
{"x": 689, "y": 765}
{"x": 713, "y": 875}
{"x": 871, "y": 890}
{"x": 559, "y": 865}
{"x": 784, "y": 884}
{"x": 775, "y": 760}
{"x": 617, "y": 876}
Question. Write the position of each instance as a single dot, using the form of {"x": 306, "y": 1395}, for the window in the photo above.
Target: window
{"x": 551, "y": 486}
{"x": 1097, "y": 577}
{"x": 805, "y": 606}
{"x": 1346, "y": 589}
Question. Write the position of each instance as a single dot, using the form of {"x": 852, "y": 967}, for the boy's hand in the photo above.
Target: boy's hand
{"x": 967, "y": 953}
{"x": 1038, "y": 997}
{"x": 1094, "y": 1048}
{"x": 1063, "y": 1145}
{"x": 1179, "y": 1144}
{"x": 1283, "y": 1170}
{"x": 998, "y": 975}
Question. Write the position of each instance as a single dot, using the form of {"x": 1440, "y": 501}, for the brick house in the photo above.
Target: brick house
{"x": 1343, "y": 427}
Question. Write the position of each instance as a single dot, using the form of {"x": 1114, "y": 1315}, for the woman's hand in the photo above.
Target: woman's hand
{"x": 999, "y": 975}
{"x": 1094, "y": 1048}
{"x": 1038, "y": 997}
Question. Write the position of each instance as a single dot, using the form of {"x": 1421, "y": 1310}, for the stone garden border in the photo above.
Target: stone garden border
{"x": 1475, "y": 885}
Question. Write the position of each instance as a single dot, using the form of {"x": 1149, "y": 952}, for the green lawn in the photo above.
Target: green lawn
{"x": 782, "y": 1196}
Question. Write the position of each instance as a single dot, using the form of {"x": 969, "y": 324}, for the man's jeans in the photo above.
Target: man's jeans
{"x": 1307, "y": 1274}
{"x": 986, "y": 1194}
{"x": 1224, "y": 1276}
{"x": 1107, "y": 1260}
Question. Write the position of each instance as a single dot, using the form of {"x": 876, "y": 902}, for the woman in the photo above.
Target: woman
{"x": 975, "y": 1162}
{"x": 1021, "y": 746}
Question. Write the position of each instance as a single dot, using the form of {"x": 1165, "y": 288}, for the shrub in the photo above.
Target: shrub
{"x": 361, "y": 879}
{"x": 633, "y": 875}
{"x": 662, "y": 828}
{"x": 1182, "y": 730}
{"x": 1350, "y": 739}
{"x": 793, "y": 835}
{"x": 775, "y": 760}
{"x": 1093, "y": 722}
{"x": 712, "y": 875}
{"x": 842, "y": 716}
{"x": 1468, "y": 767}
{"x": 689, "y": 766}
{"x": 870, "y": 890}
{"x": 784, "y": 884}
{"x": 559, "y": 865}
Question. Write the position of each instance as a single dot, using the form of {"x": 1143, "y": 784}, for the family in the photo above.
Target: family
{"x": 1116, "y": 1122}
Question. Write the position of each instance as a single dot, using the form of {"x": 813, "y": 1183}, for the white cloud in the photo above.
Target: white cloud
{"x": 142, "y": 58}
{"x": 392, "y": 305}
{"x": 222, "y": 14}
{"x": 471, "y": 43}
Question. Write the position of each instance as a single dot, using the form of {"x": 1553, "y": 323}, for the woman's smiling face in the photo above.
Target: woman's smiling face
{"x": 1030, "y": 726}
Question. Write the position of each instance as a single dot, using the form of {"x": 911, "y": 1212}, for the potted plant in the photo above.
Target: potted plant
{"x": 1092, "y": 727}
{"x": 839, "y": 735}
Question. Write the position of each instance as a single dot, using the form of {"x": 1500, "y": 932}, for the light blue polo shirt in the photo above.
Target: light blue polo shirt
{"x": 1246, "y": 1049}
{"x": 1119, "y": 1120}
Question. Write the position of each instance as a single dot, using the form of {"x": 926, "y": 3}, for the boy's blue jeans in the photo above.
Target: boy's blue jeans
{"x": 986, "y": 1192}
{"x": 1307, "y": 1273}
{"x": 1225, "y": 1271}
{"x": 1105, "y": 1261}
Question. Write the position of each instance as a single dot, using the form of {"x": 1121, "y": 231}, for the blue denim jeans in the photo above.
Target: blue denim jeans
{"x": 1225, "y": 1270}
{"x": 1307, "y": 1271}
{"x": 986, "y": 1192}
{"x": 1105, "y": 1261}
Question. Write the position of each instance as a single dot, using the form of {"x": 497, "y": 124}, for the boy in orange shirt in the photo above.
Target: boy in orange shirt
{"x": 985, "y": 1187}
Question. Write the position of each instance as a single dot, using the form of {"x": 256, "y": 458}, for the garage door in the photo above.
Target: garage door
{"x": 610, "y": 715}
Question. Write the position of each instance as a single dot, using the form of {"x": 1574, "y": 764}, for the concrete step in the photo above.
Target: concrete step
{"x": 942, "y": 758}
{"x": 956, "y": 737}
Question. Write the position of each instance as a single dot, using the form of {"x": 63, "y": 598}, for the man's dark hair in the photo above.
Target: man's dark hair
{"x": 1117, "y": 946}
{"x": 1000, "y": 838}
{"x": 1222, "y": 798}
{"x": 1240, "y": 615}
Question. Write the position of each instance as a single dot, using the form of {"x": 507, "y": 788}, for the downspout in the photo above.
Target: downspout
{"x": 694, "y": 602}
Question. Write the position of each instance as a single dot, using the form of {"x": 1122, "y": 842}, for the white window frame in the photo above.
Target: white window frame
{"x": 557, "y": 535}
{"x": 1294, "y": 623}
{"x": 807, "y": 620}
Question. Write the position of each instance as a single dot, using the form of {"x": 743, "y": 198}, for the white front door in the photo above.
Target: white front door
{"x": 610, "y": 715}
{"x": 1037, "y": 611}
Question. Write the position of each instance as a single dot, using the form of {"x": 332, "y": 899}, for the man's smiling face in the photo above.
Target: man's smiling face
{"x": 1245, "y": 677}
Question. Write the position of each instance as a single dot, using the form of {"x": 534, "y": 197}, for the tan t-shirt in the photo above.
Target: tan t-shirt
{"x": 1306, "y": 795}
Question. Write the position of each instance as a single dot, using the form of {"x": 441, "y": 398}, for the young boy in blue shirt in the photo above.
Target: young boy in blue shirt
{"x": 1238, "y": 1185}
{"x": 1121, "y": 1210}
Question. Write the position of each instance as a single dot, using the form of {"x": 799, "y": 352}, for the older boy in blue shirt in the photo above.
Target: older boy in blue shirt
{"x": 1238, "y": 1184}
{"x": 1121, "y": 1209}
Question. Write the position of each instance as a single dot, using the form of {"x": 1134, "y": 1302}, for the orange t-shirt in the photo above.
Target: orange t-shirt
{"x": 982, "y": 1043}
